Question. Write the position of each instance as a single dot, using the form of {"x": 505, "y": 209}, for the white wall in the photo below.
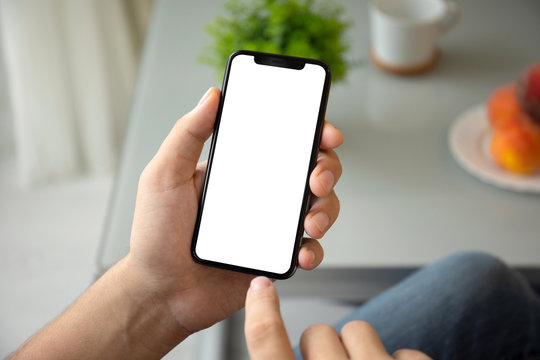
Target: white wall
{"x": 6, "y": 124}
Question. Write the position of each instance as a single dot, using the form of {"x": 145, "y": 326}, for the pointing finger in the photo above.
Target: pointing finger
{"x": 265, "y": 332}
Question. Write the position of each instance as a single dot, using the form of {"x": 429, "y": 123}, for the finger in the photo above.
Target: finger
{"x": 321, "y": 216}
{"x": 362, "y": 342}
{"x": 180, "y": 151}
{"x": 321, "y": 341}
{"x": 265, "y": 332}
{"x": 406, "y": 354}
{"x": 325, "y": 174}
{"x": 310, "y": 255}
{"x": 331, "y": 136}
{"x": 200, "y": 172}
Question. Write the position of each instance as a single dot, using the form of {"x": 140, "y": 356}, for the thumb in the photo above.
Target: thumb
{"x": 179, "y": 153}
{"x": 265, "y": 332}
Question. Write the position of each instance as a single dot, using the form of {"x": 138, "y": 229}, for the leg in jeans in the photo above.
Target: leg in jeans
{"x": 466, "y": 306}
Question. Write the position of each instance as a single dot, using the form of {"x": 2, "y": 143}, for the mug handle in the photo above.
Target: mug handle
{"x": 453, "y": 13}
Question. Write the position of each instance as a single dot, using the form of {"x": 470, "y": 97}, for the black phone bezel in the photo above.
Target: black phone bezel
{"x": 268, "y": 59}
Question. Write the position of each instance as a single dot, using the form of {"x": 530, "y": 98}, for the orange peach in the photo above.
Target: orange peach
{"x": 515, "y": 145}
{"x": 503, "y": 105}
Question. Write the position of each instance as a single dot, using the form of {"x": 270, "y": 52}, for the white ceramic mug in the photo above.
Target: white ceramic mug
{"x": 404, "y": 33}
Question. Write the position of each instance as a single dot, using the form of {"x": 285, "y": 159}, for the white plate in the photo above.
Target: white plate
{"x": 469, "y": 140}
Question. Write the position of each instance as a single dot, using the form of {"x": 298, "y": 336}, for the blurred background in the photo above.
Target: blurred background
{"x": 67, "y": 75}
{"x": 89, "y": 88}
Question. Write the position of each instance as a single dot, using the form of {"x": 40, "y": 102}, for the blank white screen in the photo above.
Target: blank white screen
{"x": 260, "y": 165}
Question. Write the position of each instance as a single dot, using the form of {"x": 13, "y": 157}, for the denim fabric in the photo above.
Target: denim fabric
{"x": 466, "y": 306}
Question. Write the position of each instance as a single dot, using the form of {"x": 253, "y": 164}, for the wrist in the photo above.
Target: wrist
{"x": 149, "y": 326}
{"x": 116, "y": 318}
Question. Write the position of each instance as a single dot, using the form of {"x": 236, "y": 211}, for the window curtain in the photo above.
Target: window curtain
{"x": 71, "y": 67}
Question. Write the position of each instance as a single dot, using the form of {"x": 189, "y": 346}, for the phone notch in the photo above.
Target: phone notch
{"x": 280, "y": 61}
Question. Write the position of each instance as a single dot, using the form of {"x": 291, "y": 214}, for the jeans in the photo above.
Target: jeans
{"x": 466, "y": 306}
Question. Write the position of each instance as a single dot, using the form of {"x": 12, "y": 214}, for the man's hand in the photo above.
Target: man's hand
{"x": 267, "y": 338}
{"x": 169, "y": 190}
{"x": 157, "y": 295}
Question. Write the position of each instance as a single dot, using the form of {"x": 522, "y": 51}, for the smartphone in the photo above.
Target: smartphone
{"x": 264, "y": 147}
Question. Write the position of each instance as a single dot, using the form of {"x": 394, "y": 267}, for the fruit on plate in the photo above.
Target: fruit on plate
{"x": 515, "y": 145}
{"x": 503, "y": 105}
{"x": 529, "y": 91}
{"x": 514, "y": 113}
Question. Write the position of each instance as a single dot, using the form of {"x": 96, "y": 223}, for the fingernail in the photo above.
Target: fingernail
{"x": 204, "y": 97}
{"x": 311, "y": 255}
{"x": 260, "y": 282}
{"x": 321, "y": 221}
{"x": 327, "y": 180}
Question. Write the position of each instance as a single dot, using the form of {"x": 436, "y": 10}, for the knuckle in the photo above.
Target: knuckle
{"x": 316, "y": 232}
{"x": 335, "y": 198}
{"x": 338, "y": 203}
{"x": 338, "y": 167}
{"x": 319, "y": 251}
{"x": 261, "y": 330}
{"x": 318, "y": 329}
{"x": 357, "y": 328}
{"x": 332, "y": 161}
{"x": 333, "y": 155}
{"x": 315, "y": 331}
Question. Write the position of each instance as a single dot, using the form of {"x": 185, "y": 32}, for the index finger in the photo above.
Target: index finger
{"x": 331, "y": 136}
{"x": 265, "y": 332}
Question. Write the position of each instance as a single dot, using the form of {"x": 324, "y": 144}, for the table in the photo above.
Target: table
{"x": 404, "y": 200}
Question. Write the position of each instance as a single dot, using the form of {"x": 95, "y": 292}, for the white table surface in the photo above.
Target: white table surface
{"x": 404, "y": 200}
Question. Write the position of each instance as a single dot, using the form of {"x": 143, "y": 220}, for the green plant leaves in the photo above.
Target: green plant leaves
{"x": 306, "y": 28}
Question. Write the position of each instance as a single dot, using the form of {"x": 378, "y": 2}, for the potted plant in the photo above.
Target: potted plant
{"x": 306, "y": 28}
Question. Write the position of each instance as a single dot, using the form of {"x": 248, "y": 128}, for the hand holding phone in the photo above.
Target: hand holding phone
{"x": 165, "y": 215}
{"x": 264, "y": 147}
